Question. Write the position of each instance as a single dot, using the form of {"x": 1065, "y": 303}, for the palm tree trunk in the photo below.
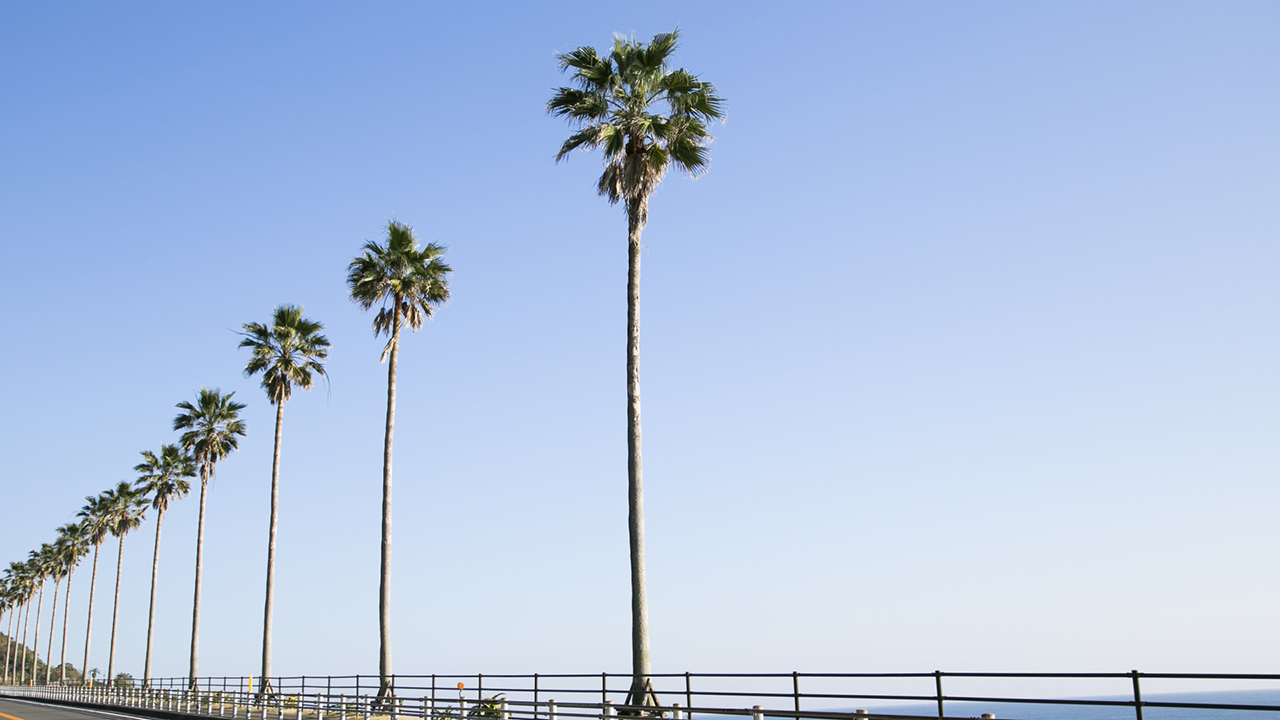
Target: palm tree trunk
{"x": 195, "y": 607}
{"x": 641, "y": 692}
{"x": 66, "y": 609}
{"x": 115, "y": 613}
{"x": 35, "y": 642}
{"x": 93, "y": 584}
{"x": 384, "y": 586}
{"x": 269, "y": 604}
{"x": 53, "y": 621}
{"x": 151, "y": 614}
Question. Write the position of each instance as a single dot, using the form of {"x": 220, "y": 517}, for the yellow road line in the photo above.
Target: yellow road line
{"x": 9, "y": 717}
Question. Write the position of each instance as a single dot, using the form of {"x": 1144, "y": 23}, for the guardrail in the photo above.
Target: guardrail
{"x": 789, "y": 696}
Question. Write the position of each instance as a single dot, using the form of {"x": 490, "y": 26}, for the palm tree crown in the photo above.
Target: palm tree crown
{"x": 125, "y": 507}
{"x": 213, "y": 428}
{"x": 407, "y": 280}
{"x": 95, "y": 521}
{"x": 290, "y": 351}
{"x": 644, "y": 116}
{"x": 163, "y": 477}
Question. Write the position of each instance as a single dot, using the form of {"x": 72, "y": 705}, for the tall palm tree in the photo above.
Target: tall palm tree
{"x": 57, "y": 570}
{"x": 6, "y": 608}
{"x": 163, "y": 478}
{"x": 290, "y": 351}
{"x": 127, "y": 506}
{"x": 74, "y": 538}
{"x": 213, "y": 428}
{"x": 94, "y": 517}
{"x": 409, "y": 282}
{"x": 646, "y": 119}
{"x": 12, "y": 598}
{"x": 41, "y": 562}
{"x": 31, "y": 578}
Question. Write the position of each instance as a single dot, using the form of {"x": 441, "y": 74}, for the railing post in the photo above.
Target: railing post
{"x": 426, "y": 709}
{"x": 551, "y": 709}
{"x": 320, "y": 701}
{"x": 342, "y": 707}
{"x": 503, "y": 713}
{"x": 675, "y": 711}
{"x": 365, "y": 707}
{"x": 688, "y": 692}
{"x": 937, "y": 680}
{"x": 795, "y": 688}
{"x": 757, "y": 712}
{"x": 608, "y": 709}
{"x": 1137, "y": 695}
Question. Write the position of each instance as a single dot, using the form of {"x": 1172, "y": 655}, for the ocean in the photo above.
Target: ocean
{"x": 1036, "y": 711}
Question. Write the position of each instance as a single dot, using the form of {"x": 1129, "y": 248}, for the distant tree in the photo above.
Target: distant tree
{"x": 126, "y": 506}
{"x": 57, "y": 570}
{"x": 213, "y": 429}
{"x": 73, "y": 541}
{"x": 40, "y": 561}
{"x": 162, "y": 478}
{"x": 409, "y": 283}
{"x": 288, "y": 352}
{"x": 94, "y": 517}
{"x": 13, "y": 599}
{"x": 646, "y": 119}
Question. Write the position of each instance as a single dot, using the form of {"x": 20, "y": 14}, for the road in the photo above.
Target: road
{"x": 24, "y": 710}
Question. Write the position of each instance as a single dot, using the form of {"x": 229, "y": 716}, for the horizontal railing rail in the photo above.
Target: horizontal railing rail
{"x": 570, "y": 696}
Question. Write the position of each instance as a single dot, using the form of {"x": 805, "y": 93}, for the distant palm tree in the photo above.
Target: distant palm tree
{"x": 94, "y": 516}
{"x": 21, "y": 588}
{"x": 31, "y": 578}
{"x": 6, "y": 608}
{"x": 74, "y": 542}
{"x": 57, "y": 570}
{"x": 213, "y": 428}
{"x": 126, "y": 508}
{"x": 646, "y": 118}
{"x": 409, "y": 283}
{"x": 290, "y": 351}
{"x": 41, "y": 563}
{"x": 12, "y": 598}
{"x": 163, "y": 478}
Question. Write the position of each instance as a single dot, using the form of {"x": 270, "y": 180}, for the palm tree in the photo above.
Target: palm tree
{"x": 40, "y": 561}
{"x": 94, "y": 516}
{"x": 409, "y": 283}
{"x": 74, "y": 540}
{"x": 213, "y": 427}
{"x": 13, "y": 599}
{"x": 72, "y": 545}
{"x": 291, "y": 351}
{"x": 57, "y": 570}
{"x": 645, "y": 118}
{"x": 6, "y": 608}
{"x": 163, "y": 478}
{"x": 31, "y": 578}
{"x": 127, "y": 506}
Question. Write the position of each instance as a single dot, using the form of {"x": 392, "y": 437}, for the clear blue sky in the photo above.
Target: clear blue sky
{"x": 962, "y": 356}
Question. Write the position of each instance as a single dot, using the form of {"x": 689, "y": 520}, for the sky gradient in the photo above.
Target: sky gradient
{"x": 962, "y": 356}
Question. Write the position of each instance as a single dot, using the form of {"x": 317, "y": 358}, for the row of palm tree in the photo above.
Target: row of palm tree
{"x": 408, "y": 280}
{"x": 645, "y": 118}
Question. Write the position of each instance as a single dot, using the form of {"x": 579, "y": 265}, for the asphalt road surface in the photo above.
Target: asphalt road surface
{"x": 24, "y": 710}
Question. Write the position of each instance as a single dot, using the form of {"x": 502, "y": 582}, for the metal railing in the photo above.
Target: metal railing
{"x": 791, "y": 696}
